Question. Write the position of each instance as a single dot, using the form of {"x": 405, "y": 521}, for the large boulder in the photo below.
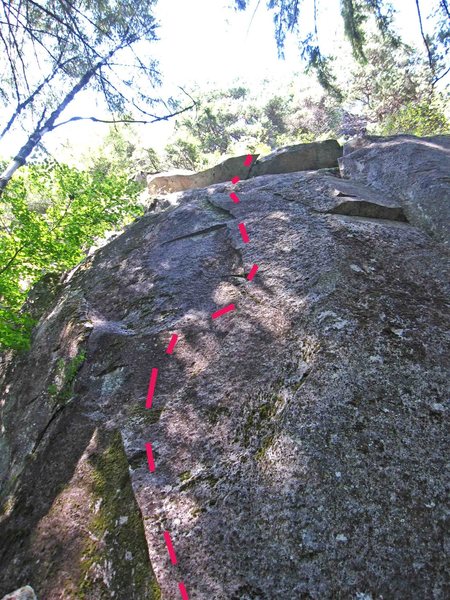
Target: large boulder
{"x": 176, "y": 181}
{"x": 170, "y": 181}
{"x": 301, "y": 157}
{"x": 414, "y": 170}
{"x": 299, "y": 441}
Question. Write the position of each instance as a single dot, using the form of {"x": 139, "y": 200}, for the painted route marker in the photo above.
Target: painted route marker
{"x": 248, "y": 160}
{"x": 171, "y": 346}
{"x": 234, "y": 197}
{"x": 223, "y": 311}
{"x": 252, "y": 272}
{"x": 244, "y": 234}
{"x": 151, "y": 462}
{"x": 235, "y": 180}
{"x": 183, "y": 591}
{"x": 151, "y": 388}
{"x": 170, "y": 549}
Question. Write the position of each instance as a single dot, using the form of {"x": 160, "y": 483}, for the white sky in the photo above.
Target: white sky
{"x": 207, "y": 41}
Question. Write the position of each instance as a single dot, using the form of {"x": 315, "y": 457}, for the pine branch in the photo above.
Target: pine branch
{"x": 113, "y": 121}
{"x": 50, "y": 123}
{"x": 425, "y": 40}
{"x": 22, "y": 105}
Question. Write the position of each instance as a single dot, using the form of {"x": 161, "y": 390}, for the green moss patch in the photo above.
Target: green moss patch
{"x": 116, "y": 557}
{"x": 61, "y": 391}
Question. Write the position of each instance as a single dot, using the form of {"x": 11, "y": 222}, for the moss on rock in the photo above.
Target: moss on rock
{"x": 61, "y": 391}
{"x": 115, "y": 559}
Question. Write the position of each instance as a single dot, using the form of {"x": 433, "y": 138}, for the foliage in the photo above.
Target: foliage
{"x": 50, "y": 45}
{"x": 185, "y": 154}
{"x": 390, "y": 79}
{"x": 234, "y": 121}
{"x": 321, "y": 65}
{"x": 77, "y": 207}
{"x": 359, "y": 17}
{"x": 354, "y": 19}
{"x": 121, "y": 153}
{"x": 420, "y": 119}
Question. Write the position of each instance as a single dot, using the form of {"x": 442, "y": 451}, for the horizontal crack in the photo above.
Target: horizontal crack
{"x": 195, "y": 233}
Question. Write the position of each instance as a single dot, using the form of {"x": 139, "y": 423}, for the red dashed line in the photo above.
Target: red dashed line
{"x": 244, "y": 233}
{"x": 248, "y": 160}
{"x": 234, "y": 197}
{"x": 151, "y": 388}
{"x": 171, "y": 346}
{"x": 183, "y": 591}
{"x": 235, "y": 180}
{"x": 170, "y": 549}
{"x": 252, "y": 272}
{"x": 223, "y": 310}
{"x": 151, "y": 462}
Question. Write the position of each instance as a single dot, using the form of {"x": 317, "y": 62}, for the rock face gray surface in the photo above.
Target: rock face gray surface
{"x": 299, "y": 441}
{"x": 414, "y": 170}
{"x": 300, "y": 157}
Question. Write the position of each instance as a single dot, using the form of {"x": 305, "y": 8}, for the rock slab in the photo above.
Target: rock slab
{"x": 299, "y": 441}
{"x": 414, "y": 170}
{"x": 301, "y": 157}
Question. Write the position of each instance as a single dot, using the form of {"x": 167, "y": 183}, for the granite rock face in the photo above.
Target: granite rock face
{"x": 299, "y": 440}
{"x": 414, "y": 170}
{"x": 300, "y": 157}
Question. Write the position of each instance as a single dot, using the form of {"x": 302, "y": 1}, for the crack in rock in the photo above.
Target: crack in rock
{"x": 195, "y": 233}
{"x": 362, "y": 208}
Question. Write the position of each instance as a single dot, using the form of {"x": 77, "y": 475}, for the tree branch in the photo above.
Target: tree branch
{"x": 102, "y": 31}
{"x": 12, "y": 259}
{"x": 112, "y": 121}
{"x": 436, "y": 79}
{"x": 13, "y": 37}
{"x": 30, "y": 99}
{"x": 11, "y": 65}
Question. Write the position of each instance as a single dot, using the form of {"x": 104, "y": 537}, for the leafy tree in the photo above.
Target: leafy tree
{"x": 185, "y": 154}
{"x": 222, "y": 117}
{"x": 390, "y": 79}
{"x": 229, "y": 122}
{"x": 122, "y": 153}
{"x": 315, "y": 117}
{"x": 420, "y": 119}
{"x": 80, "y": 207}
{"x": 275, "y": 125}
